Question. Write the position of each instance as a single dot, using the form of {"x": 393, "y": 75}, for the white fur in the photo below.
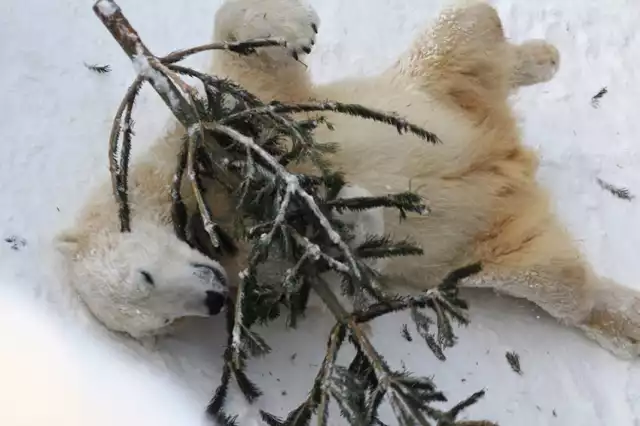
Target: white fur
{"x": 290, "y": 21}
{"x": 108, "y": 274}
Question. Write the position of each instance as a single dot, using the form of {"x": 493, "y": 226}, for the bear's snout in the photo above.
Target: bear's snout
{"x": 213, "y": 274}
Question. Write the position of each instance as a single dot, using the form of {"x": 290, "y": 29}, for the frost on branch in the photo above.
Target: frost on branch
{"x": 245, "y": 145}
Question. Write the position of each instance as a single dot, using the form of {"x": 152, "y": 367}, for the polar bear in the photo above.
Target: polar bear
{"x": 455, "y": 80}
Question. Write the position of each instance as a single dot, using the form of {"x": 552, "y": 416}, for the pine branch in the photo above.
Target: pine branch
{"x": 178, "y": 209}
{"x": 377, "y": 247}
{"x": 400, "y": 390}
{"x": 407, "y": 302}
{"x": 221, "y": 85}
{"x": 292, "y": 187}
{"x": 215, "y": 408}
{"x": 317, "y": 400}
{"x": 355, "y": 110}
{"x": 196, "y": 137}
{"x": 384, "y": 375}
{"x": 450, "y": 416}
{"x": 125, "y": 156}
{"x": 404, "y": 202}
{"x": 241, "y": 47}
{"x": 119, "y": 173}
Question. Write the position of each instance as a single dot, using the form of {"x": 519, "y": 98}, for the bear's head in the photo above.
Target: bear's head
{"x": 139, "y": 282}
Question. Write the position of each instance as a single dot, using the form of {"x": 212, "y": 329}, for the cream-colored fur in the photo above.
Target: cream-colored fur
{"x": 138, "y": 282}
{"x": 455, "y": 80}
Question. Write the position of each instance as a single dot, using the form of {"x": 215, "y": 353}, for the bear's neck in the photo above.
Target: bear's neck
{"x": 152, "y": 178}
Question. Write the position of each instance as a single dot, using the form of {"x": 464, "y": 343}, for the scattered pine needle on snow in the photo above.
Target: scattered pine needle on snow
{"x": 595, "y": 100}
{"x": 100, "y": 69}
{"x": 622, "y": 193}
{"x": 514, "y": 361}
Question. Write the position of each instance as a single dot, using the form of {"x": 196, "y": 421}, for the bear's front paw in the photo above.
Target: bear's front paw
{"x": 295, "y": 21}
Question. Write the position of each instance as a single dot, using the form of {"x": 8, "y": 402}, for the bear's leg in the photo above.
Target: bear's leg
{"x": 465, "y": 60}
{"x": 614, "y": 320}
{"x": 272, "y": 72}
{"x": 545, "y": 268}
{"x": 535, "y": 61}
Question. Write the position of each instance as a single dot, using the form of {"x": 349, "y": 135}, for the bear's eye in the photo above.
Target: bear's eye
{"x": 148, "y": 278}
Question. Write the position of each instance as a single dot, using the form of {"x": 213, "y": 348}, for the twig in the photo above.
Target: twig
{"x": 318, "y": 400}
{"x": 196, "y": 137}
{"x": 382, "y": 308}
{"x": 328, "y": 363}
{"x": 323, "y": 290}
{"x": 120, "y": 188}
{"x": 350, "y": 109}
{"x": 236, "y": 331}
{"x": 178, "y": 209}
{"x": 241, "y": 47}
{"x": 314, "y": 250}
{"x": 217, "y": 82}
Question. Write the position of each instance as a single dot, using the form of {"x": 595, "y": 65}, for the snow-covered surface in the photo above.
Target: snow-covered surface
{"x": 54, "y": 127}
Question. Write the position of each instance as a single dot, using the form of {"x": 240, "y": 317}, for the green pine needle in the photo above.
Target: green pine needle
{"x": 379, "y": 247}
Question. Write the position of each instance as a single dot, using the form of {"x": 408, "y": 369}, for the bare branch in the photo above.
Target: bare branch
{"x": 241, "y": 47}
{"x": 111, "y": 16}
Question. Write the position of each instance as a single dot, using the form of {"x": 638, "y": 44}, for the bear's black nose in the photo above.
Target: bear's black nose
{"x": 214, "y": 302}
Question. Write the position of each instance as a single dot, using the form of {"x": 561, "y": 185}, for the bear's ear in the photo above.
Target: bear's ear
{"x": 69, "y": 242}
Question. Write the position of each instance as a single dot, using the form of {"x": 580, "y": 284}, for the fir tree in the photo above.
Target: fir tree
{"x": 246, "y": 145}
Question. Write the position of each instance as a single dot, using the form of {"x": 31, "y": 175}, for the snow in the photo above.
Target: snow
{"x": 107, "y": 8}
{"x": 55, "y": 127}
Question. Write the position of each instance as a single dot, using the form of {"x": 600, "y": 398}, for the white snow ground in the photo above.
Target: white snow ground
{"x": 56, "y": 115}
